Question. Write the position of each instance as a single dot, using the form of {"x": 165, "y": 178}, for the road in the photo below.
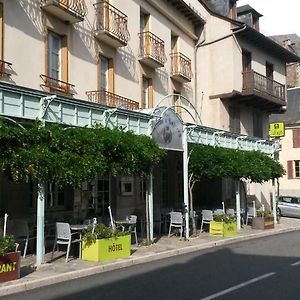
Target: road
{"x": 267, "y": 268}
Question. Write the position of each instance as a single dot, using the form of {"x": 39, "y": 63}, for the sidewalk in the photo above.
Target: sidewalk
{"x": 58, "y": 270}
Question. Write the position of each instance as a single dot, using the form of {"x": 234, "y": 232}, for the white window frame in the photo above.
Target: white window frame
{"x": 104, "y": 73}
{"x": 51, "y": 67}
{"x": 297, "y": 168}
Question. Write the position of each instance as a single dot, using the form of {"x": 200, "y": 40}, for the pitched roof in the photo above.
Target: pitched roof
{"x": 293, "y": 37}
{"x": 292, "y": 114}
{"x": 247, "y": 8}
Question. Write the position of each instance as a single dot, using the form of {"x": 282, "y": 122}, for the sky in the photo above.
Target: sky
{"x": 275, "y": 10}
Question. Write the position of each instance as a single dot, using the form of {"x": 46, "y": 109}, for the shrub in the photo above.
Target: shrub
{"x": 7, "y": 244}
{"x": 224, "y": 218}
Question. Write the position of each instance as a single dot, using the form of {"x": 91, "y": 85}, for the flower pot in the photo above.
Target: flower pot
{"x": 10, "y": 266}
{"x": 107, "y": 249}
{"x": 221, "y": 229}
{"x": 262, "y": 223}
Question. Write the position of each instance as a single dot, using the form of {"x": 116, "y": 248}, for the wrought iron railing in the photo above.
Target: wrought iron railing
{"x": 111, "y": 20}
{"x": 255, "y": 81}
{"x": 152, "y": 47}
{"x": 181, "y": 65}
{"x": 4, "y": 68}
{"x": 56, "y": 85}
{"x": 77, "y": 7}
{"x": 110, "y": 99}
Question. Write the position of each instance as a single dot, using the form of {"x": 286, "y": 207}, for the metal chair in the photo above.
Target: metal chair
{"x": 176, "y": 221}
{"x": 132, "y": 219}
{"x": 65, "y": 237}
{"x": 20, "y": 230}
{"x": 207, "y": 216}
{"x": 251, "y": 212}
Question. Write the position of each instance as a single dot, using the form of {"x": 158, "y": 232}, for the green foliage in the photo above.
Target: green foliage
{"x": 73, "y": 155}
{"x": 266, "y": 213}
{"x": 101, "y": 231}
{"x": 7, "y": 244}
{"x": 224, "y": 218}
{"x": 215, "y": 162}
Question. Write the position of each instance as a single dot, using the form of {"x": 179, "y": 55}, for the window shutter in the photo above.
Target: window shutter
{"x": 290, "y": 169}
{"x": 296, "y": 138}
{"x": 111, "y": 76}
{"x": 1, "y": 30}
{"x": 64, "y": 58}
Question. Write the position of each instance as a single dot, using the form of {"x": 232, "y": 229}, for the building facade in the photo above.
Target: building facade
{"x": 130, "y": 55}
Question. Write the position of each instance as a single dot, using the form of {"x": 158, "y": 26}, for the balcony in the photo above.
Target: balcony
{"x": 152, "y": 50}
{"x": 72, "y": 11}
{"x": 57, "y": 86}
{"x": 110, "y": 99}
{"x": 110, "y": 25}
{"x": 181, "y": 67}
{"x": 5, "y": 68}
{"x": 263, "y": 92}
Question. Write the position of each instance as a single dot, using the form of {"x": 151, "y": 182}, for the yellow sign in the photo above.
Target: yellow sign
{"x": 276, "y": 129}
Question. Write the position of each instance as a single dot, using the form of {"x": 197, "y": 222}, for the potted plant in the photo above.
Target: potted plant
{"x": 223, "y": 225}
{"x": 263, "y": 220}
{"x": 104, "y": 243}
{"x": 9, "y": 259}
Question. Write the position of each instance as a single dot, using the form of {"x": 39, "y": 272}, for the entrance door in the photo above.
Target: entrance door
{"x": 269, "y": 75}
{"x": 102, "y": 196}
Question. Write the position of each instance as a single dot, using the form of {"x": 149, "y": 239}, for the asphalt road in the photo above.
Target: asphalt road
{"x": 267, "y": 268}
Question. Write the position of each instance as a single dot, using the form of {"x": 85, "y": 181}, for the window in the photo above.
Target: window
{"x": 257, "y": 124}
{"x": 246, "y": 57}
{"x": 293, "y": 169}
{"x": 177, "y": 102}
{"x": 144, "y": 22}
{"x": 234, "y": 119}
{"x": 174, "y": 43}
{"x": 106, "y": 74}
{"x": 127, "y": 186}
{"x": 1, "y": 31}
{"x": 102, "y": 195}
{"x": 296, "y": 138}
{"x": 57, "y": 57}
{"x": 147, "y": 93}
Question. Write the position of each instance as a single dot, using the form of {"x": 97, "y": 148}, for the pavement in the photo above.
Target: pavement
{"x": 58, "y": 270}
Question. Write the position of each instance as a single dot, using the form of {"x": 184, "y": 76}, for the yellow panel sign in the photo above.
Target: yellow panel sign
{"x": 276, "y": 129}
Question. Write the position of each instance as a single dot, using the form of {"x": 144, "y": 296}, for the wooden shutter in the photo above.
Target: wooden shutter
{"x": 296, "y": 138}
{"x": 290, "y": 169}
{"x": 150, "y": 93}
{"x": 64, "y": 58}
{"x": 111, "y": 76}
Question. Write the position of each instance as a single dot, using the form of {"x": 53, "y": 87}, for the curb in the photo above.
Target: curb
{"x": 25, "y": 286}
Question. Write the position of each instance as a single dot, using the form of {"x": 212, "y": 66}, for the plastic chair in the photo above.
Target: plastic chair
{"x": 230, "y": 212}
{"x": 20, "y": 230}
{"x": 250, "y": 214}
{"x": 176, "y": 220}
{"x": 65, "y": 237}
{"x": 207, "y": 216}
{"x": 132, "y": 219}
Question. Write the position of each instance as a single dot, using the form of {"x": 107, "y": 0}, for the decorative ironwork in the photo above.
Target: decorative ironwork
{"x": 181, "y": 66}
{"x": 255, "y": 81}
{"x": 77, "y": 7}
{"x": 4, "y": 68}
{"x": 56, "y": 85}
{"x": 110, "y": 99}
{"x": 152, "y": 47}
{"x": 111, "y": 20}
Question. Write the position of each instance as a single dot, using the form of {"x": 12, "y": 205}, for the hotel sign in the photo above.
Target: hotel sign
{"x": 276, "y": 129}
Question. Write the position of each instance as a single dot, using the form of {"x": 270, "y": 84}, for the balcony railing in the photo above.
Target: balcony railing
{"x": 67, "y": 10}
{"x": 181, "y": 67}
{"x": 152, "y": 50}
{"x": 253, "y": 81}
{"x": 56, "y": 85}
{"x": 5, "y": 68}
{"x": 110, "y": 99}
{"x": 111, "y": 24}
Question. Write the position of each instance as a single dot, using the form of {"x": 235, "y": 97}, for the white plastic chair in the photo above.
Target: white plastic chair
{"x": 250, "y": 214}
{"x": 20, "y": 230}
{"x": 207, "y": 216}
{"x": 65, "y": 237}
{"x": 176, "y": 221}
{"x": 132, "y": 219}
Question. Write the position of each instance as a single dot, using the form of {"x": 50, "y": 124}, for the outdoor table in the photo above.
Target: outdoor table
{"x": 79, "y": 228}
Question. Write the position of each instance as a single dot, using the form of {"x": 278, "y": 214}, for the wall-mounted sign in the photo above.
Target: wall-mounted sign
{"x": 276, "y": 129}
{"x": 168, "y": 131}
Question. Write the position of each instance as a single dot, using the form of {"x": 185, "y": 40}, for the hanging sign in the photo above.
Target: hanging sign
{"x": 276, "y": 129}
{"x": 168, "y": 131}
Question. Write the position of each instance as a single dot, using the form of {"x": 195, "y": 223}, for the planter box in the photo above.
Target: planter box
{"x": 262, "y": 223}
{"x": 221, "y": 229}
{"x": 106, "y": 249}
{"x": 10, "y": 266}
